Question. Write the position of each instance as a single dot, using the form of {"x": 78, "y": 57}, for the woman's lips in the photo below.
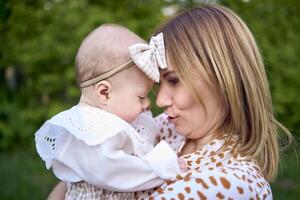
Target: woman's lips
{"x": 172, "y": 119}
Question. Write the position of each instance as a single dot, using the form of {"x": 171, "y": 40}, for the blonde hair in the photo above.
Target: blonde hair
{"x": 214, "y": 42}
{"x": 104, "y": 48}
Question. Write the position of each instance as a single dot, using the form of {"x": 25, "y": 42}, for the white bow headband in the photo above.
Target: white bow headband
{"x": 148, "y": 58}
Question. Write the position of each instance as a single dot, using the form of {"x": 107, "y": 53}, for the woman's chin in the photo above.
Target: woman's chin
{"x": 181, "y": 130}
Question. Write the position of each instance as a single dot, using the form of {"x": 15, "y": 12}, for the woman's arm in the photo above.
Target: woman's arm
{"x": 59, "y": 191}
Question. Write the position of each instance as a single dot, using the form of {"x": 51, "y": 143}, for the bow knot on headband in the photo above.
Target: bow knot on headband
{"x": 147, "y": 57}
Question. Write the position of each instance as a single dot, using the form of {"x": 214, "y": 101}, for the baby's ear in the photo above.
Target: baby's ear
{"x": 103, "y": 89}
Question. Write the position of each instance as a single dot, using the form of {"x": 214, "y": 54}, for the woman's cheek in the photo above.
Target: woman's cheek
{"x": 184, "y": 100}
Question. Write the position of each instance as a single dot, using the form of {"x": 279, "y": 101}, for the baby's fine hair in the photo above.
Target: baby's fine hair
{"x": 103, "y": 48}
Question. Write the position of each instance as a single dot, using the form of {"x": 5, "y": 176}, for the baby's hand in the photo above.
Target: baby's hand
{"x": 182, "y": 165}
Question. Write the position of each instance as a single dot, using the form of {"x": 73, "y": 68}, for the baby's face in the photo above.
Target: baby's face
{"x": 131, "y": 98}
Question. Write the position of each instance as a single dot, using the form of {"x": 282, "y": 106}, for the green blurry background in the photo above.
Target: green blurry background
{"x": 38, "y": 43}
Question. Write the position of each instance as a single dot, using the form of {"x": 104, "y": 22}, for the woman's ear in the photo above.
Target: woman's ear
{"x": 103, "y": 90}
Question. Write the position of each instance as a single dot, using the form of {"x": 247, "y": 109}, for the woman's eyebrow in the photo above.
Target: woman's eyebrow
{"x": 167, "y": 73}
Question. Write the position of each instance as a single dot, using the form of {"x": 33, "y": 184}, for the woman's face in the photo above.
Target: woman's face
{"x": 188, "y": 116}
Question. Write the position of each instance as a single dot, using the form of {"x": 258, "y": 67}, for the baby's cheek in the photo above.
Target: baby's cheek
{"x": 135, "y": 111}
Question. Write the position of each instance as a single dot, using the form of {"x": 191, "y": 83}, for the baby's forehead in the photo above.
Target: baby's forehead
{"x": 138, "y": 78}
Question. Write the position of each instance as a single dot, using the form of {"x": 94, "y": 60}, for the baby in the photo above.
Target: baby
{"x": 92, "y": 146}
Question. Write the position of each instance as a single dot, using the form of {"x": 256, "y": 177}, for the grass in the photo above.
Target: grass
{"x": 24, "y": 176}
{"x": 287, "y": 185}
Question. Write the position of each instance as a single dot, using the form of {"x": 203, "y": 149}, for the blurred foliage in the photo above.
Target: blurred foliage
{"x": 38, "y": 43}
{"x": 39, "y": 40}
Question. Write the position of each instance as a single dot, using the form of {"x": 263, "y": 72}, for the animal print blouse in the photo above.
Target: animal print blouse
{"x": 214, "y": 173}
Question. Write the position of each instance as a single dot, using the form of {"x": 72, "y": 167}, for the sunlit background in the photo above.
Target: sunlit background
{"x": 38, "y": 43}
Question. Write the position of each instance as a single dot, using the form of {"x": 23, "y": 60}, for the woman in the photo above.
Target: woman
{"x": 216, "y": 93}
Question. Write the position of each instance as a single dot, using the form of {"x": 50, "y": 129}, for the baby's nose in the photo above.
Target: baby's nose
{"x": 146, "y": 104}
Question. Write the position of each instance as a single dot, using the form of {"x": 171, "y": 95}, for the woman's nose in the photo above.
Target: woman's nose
{"x": 163, "y": 99}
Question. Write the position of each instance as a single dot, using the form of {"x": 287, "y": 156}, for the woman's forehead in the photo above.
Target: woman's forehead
{"x": 165, "y": 72}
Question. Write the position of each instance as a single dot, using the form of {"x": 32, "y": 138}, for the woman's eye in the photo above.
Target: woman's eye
{"x": 173, "y": 81}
